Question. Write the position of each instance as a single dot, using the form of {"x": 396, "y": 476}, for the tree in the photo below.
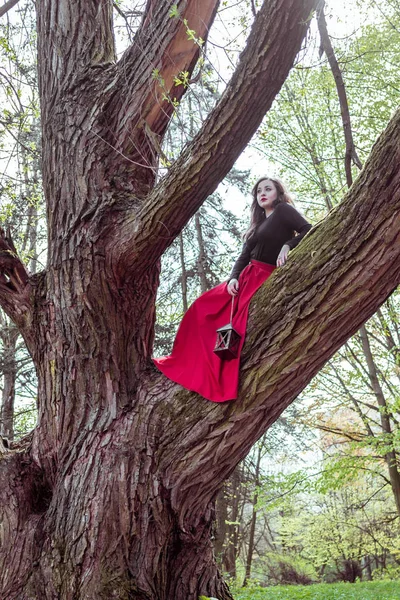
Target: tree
{"x": 112, "y": 495}
{"x": 361, "y": 418}
{"x": 20, "y": 209}
{"x": 229, "y": 512}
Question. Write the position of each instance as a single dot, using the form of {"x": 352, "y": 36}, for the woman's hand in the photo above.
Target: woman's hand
{"x": 282, "y": 257}
{"x": 233, "y": 287}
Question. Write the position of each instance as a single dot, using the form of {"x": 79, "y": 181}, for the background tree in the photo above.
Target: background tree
{"x": 21, "y": 207}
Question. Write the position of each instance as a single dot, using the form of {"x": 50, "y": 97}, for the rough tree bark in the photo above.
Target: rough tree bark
{"x": 112, "y": 495}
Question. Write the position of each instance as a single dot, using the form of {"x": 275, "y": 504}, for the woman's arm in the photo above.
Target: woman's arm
{"x": 241, "y": 262}
{"x": 296, "y": 222}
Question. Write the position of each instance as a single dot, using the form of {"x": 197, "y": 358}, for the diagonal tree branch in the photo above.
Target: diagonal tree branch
{"x": 164, "y": 52}
{"x": 7, "y": 6}
{"x": 341, "y": 273}
{"x": 143, "y": 87}
{"x": 263, "y": 67}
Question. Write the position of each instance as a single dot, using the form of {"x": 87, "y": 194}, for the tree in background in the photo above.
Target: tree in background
{"x": 320, "y": 150}
{"x": 20, "y": 211}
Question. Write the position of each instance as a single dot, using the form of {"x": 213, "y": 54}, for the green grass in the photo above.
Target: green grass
{"x": 374, "y": 590}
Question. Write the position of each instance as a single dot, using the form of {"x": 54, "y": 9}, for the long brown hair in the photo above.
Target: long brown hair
{"x": 256, "y": 212}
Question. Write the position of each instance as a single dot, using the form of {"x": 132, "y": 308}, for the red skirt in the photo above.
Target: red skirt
{"x": 192, "y": 363}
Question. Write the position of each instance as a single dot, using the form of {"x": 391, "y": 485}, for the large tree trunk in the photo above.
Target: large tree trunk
{"x": 112, "y": 496}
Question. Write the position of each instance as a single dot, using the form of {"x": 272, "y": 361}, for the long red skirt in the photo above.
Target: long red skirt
{"x": 192, "y": 363}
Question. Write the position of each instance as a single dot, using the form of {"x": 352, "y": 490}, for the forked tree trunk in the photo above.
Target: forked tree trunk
{"x": 112, "y": 496}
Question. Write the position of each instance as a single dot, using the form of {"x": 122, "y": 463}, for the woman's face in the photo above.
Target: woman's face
{"x": 266, "y": 194}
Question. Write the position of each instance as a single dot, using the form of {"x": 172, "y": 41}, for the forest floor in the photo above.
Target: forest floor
{"x": 369, "y": 590}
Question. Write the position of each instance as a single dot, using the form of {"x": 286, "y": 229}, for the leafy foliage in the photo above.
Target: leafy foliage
{"x": 360, "y": 591}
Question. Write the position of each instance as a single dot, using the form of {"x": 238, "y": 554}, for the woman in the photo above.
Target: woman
{"x": 270, "y": 237}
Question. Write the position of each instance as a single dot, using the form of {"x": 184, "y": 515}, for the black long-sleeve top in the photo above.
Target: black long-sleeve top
{"x": 267, "y": 241}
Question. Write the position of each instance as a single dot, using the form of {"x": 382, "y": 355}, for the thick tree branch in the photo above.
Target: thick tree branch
{"x": 338, "y": 277}
{"x": 177, "y": 55}
{"x": 145, "y": 91}
{"x": 263, "y": 67}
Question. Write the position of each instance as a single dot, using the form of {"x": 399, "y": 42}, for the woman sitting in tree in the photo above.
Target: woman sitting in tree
{"x": 268, "y": 241}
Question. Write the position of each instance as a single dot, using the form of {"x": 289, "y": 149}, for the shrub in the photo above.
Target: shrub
{"x": 288, "y": 569}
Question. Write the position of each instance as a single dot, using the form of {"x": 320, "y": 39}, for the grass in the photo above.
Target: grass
{"x": 371, "y": 590}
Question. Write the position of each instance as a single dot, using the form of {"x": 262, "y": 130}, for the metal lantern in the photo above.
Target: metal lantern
{"x": 228, "y": 341}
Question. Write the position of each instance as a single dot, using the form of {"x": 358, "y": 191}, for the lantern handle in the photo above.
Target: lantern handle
{"x": 233, "y": 300}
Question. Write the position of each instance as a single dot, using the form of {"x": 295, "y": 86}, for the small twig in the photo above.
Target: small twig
{"x": 124, "y": 156}
{"x": 131, "y": 13}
